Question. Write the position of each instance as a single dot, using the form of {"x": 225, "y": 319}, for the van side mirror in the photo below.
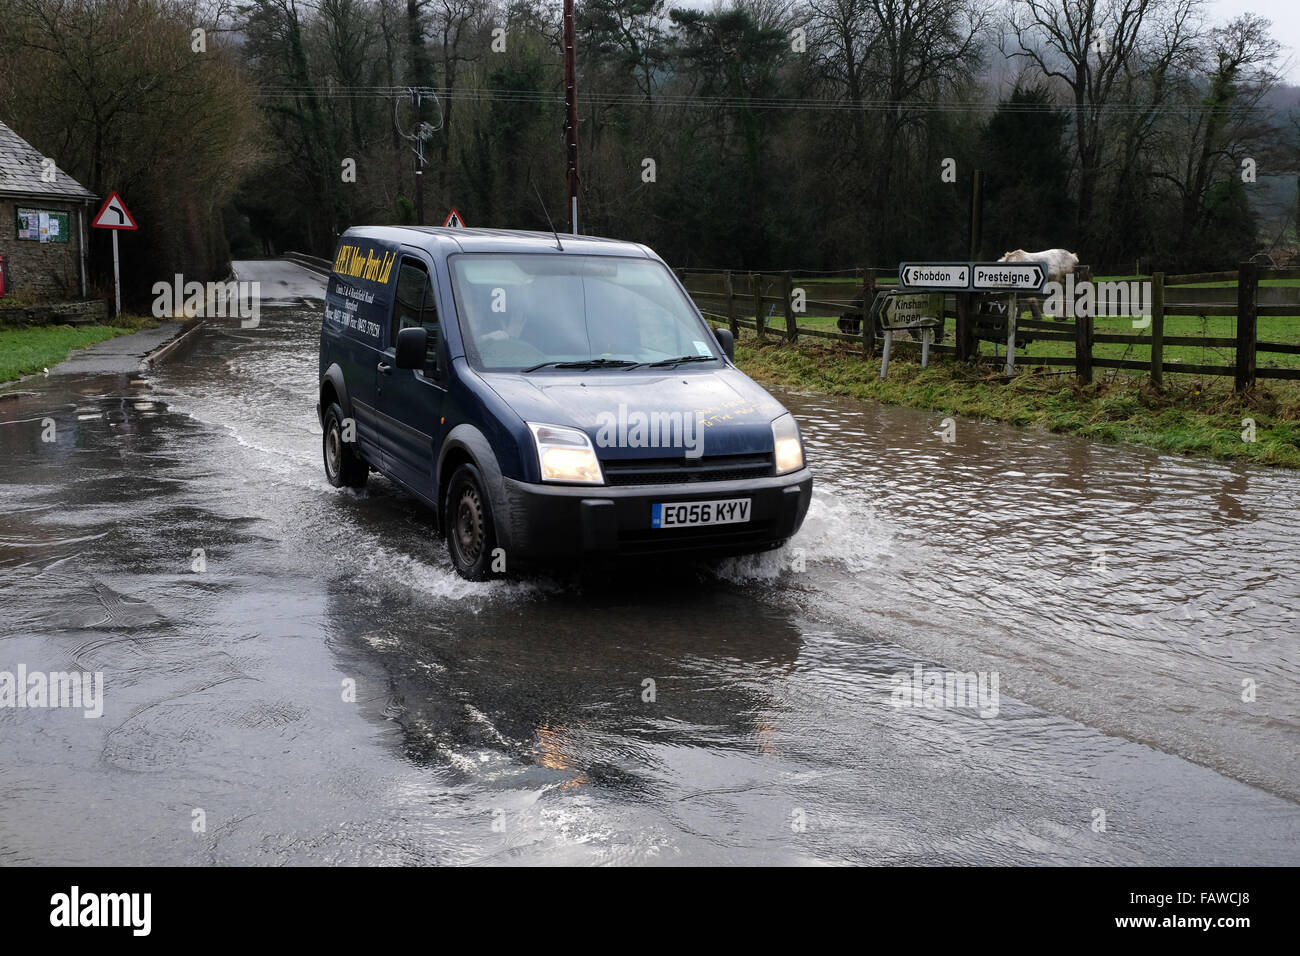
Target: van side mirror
{"x": 727, "y": 341}
{"x": 411, "y": 344}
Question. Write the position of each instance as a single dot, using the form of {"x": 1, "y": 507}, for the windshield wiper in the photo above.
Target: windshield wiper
{"x": 662, "y": 363}
{"x": 585, "y": 363}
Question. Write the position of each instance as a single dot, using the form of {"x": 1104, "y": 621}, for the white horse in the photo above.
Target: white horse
{"x": 1060, "y": 263}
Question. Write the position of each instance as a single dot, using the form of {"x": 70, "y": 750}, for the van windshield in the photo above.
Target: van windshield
{"x": 531, "y": 311}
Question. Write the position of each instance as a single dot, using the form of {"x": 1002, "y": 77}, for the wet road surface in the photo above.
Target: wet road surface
{"x": 118, "y": 356}
{"x": 281, "y": 282}
{"x": 179, "y": 537}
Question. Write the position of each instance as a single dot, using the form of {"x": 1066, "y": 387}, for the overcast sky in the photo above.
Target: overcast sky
{"x": 1285, "y": 15}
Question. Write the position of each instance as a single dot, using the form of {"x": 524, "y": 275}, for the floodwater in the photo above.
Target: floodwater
{"x": 293, "y": 674}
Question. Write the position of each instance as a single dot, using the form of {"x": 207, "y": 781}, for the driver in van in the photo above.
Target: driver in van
{"x": 495, "y": 326}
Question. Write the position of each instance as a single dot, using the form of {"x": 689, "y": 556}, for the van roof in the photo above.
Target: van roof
{"x": 460, "y": 239}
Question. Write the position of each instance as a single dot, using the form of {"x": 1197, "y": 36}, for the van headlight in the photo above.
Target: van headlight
{"x": 565, "y": 454}
{"x": 787, "y": 444}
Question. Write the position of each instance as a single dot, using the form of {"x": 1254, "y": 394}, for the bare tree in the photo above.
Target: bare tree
{"x": 1094, "y": 47}
{"x": 1237, "y": 62}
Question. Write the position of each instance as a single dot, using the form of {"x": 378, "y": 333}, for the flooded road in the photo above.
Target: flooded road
{"x": 294, "y": 674}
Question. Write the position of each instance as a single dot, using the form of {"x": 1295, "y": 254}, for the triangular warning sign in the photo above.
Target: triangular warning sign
{"x": 453, "y": 219}
{"x": 113, "y": 215}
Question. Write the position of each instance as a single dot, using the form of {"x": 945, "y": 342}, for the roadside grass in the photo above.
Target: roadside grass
{"x": 28, "y": 349}
{"x": 1190, "y": 416}
{"x": 1158, "y": 419}
{"x": 1279, "y": 329}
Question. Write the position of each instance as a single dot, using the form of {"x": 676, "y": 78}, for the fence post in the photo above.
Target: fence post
{"x": 756, "y": 286}
{"x": 1083, "y": 349}
{"x": 731, "y": 307}
{"x": 965, "y": 328}
{"x": 1083, "y": 339}
{"x": 787, "y": 291}
{"x": 868, "y": 297}
{"x": 1247, "y": 283}
{"x": 1158, "y": 330}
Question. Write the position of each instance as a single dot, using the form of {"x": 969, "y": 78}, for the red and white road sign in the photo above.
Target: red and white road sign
{"x": 113, "y": 215}
{"x": 454, "y": 219}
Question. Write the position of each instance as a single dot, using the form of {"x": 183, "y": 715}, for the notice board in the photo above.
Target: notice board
{"x": 43, "y": 225}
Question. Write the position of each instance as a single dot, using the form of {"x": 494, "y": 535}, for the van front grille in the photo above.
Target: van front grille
{"x": 752, "y": 536}
{"x": 681, "y": 471}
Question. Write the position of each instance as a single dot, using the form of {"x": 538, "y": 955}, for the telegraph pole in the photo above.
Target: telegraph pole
{"x": 571, "y": 111}
{"x": 419, "y": 157}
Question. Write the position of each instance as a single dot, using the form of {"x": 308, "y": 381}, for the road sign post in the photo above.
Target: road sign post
{"x": 918, "y": 313}
{"x": 117, "y": 281}
{"x": 1013, "y": 312}
{"x": 967, "y": 280}
{"x": 113, "y": 215}
{"x": 973, "y": 276}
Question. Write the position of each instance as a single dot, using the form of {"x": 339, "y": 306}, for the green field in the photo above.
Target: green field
{"x": 1281, "y": 329}
{"x": 1192, "y": 414}
{"x": 1277, "y": 329}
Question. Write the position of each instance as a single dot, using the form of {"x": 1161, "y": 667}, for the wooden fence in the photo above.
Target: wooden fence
{"x": 752, "y": 300}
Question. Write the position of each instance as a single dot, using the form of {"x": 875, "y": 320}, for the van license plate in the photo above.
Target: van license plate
{"x": 688, "y": 514}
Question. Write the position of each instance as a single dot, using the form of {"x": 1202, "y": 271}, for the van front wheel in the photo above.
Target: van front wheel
{"x": 343, "y": 466}
{"x": 471, "y": 533}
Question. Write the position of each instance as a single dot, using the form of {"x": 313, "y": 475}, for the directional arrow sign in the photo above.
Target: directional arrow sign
{"x": 915, "y": 311}
{"x": 934, "y": 275}
{"x": 113, "y": 215}
{"x": 1008, "y": 276}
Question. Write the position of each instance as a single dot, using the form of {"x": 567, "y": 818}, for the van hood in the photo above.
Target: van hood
{"x": 631, "y": 414}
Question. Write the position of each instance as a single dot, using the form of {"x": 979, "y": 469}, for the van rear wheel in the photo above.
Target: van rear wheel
{"x": 471, "y": 532}
{"x": 344, "y": 468}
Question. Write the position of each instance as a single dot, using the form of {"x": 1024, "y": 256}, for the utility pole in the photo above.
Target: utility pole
{"x": 571, "y": 111}
{"x": 419, "y": 158}
{"x": 976, "y": 214}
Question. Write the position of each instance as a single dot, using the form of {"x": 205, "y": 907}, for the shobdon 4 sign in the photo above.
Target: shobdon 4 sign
{"x": 934, "y": 275}
{"x": 974, "y": 276}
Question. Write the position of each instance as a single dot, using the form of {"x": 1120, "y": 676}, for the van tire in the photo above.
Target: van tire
{"x": 344, "y": 468}
{"x": 471, "y": 530}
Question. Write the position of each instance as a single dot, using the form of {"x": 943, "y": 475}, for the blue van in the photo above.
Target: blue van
{"x": 548, "y": 397}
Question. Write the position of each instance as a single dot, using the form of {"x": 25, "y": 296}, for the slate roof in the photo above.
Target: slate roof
{"x": 20, "y": 172}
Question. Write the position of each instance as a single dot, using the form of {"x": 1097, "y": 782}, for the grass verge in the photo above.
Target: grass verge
{"x": 28, "y": 349}
{"x": 1189, "y": 416}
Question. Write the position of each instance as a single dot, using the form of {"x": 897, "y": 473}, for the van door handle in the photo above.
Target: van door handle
{"x": 384, "y": 368}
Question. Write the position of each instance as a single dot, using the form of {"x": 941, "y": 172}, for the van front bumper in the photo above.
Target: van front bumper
{"x": 556, "y": 521}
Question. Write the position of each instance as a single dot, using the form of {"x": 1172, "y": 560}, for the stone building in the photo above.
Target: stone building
{"x": 44, "y": 217}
